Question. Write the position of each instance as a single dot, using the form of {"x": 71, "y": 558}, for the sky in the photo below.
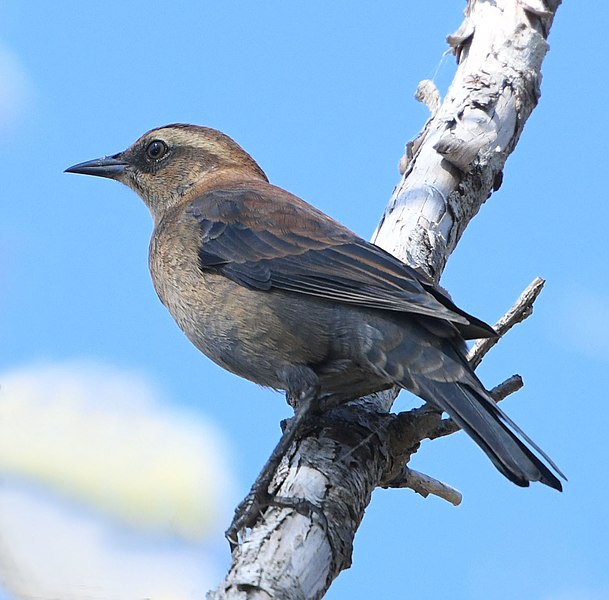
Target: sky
{"x": 123, "y": 450}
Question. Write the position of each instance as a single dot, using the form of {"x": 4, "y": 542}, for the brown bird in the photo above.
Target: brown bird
{"x": 275, "y": 291}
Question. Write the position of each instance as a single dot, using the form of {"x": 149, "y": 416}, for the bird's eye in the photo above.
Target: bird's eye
{"x": 156, "y": 149}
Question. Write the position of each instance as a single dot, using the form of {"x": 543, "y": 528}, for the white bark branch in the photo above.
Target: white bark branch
{"x": 297, "y": 548}
{"x": 424, "y": 485}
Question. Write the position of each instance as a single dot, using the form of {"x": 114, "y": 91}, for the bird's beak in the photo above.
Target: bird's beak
{"x": 108, "y": 166}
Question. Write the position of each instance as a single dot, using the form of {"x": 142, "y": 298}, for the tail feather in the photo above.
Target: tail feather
{"x": 428, "y": 357}
{"x": 496, "y": 434}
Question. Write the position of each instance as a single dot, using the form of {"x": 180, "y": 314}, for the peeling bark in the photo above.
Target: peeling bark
{"x": 323, "y": 485}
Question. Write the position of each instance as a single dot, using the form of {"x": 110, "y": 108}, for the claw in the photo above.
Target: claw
{"x": 251, "y": 507}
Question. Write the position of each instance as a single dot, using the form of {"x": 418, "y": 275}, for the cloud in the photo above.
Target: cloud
{"x": 48, "y": 550}
{"x": 105, "y": 491}
{"x": 16, "y": 89}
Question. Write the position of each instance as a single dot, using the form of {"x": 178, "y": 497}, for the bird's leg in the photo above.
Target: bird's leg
{"x": 258, "y": 497}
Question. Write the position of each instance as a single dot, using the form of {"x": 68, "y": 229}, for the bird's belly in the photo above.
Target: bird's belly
{"x": 257, "y": 334}
{"x": 248, "y": 332}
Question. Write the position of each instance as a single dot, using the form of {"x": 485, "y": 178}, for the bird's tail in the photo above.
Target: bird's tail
{"x": 510, "y": 449}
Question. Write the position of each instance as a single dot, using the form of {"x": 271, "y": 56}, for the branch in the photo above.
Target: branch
{"x": 298, "y": 547}
{"x": 425, "y": 485}
{"x": 522, "y": 309}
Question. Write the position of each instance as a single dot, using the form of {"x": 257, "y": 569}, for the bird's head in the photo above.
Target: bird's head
{"x": 172, "y": 162}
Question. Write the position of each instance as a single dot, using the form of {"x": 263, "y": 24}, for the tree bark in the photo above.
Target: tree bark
{"x": 324, "y": 483}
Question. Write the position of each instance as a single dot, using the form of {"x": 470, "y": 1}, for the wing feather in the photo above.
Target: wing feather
{"x": 264, "y": 238}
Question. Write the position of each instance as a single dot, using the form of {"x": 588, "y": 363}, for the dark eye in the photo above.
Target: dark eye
{"x": 156, "y": 149}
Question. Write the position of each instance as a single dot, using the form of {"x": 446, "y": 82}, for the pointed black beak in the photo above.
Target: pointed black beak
{"x": 108, "y": 166}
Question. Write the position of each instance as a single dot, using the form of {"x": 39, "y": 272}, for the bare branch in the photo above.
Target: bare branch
{"x": 425, "y": 485}
{"x": 522, "y": 309}
{"x": 509, "y": 386}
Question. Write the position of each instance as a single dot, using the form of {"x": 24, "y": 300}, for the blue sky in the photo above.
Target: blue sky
{"x": 322, "y": 96}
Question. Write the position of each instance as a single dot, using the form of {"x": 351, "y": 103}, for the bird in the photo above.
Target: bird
{"x": 277, "y": 292}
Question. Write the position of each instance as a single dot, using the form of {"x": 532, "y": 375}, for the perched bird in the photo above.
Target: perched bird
{"x": 275, "y": 291}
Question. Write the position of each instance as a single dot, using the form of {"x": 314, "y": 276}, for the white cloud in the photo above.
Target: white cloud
{"x": 49, "y": 550}
{"x": 105, "y": 492}
{"x": 15, "y": 91}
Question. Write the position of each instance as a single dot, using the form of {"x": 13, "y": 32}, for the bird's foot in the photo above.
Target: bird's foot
{"x": 302, "y": 506}
{"x": 250, "y": 508}
{"x": 248, "y": 511}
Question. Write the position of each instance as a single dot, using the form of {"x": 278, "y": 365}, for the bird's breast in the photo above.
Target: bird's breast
{"x": 249, "y": 332}
{"x": 197, "y": 300}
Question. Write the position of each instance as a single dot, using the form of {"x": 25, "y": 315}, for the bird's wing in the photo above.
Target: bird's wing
{"x": 264, "y": 238}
